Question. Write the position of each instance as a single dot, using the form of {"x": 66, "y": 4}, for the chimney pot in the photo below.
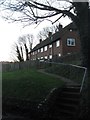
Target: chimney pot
{"x": 40, "y": 40}
{"x": 49, "y": 34}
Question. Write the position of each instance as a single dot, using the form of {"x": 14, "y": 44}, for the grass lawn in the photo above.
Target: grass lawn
{"x": 28, "y": 84}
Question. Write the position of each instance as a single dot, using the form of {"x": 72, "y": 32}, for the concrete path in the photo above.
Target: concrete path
{"x": 67, "y": 81}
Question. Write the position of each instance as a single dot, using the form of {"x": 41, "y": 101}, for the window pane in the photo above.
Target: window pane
{"x": 45, "y": 57}
{"x": 57, "y": 43}
{"x": 70, "y": 42}
{"x": 41, "y": 49}
{"x": 50, "y": 46}
{"x": 50, "y": 56}
{"x": 45, "y": 48}
{"x": 59, "y": 54}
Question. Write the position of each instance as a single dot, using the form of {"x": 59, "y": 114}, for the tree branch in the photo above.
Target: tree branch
{"x": 50, "y": 8}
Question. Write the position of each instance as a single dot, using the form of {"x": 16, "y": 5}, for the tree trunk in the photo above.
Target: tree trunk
{"x": 82, "y": 24}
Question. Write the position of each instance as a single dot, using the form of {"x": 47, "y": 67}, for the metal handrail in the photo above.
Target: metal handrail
{"x": 84, "y": 76}
{"x": 83, "y": 105}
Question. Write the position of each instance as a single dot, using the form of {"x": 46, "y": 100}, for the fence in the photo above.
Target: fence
{"x": 18, "y": 65}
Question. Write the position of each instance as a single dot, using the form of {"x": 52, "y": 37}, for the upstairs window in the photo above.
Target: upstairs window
{"x": 57, "y": 43}
{"x": 41, "y": 49}
{"x": 50, "y": 46}
{"x": 45, "y": 48}
{"x": 70, "y": 42}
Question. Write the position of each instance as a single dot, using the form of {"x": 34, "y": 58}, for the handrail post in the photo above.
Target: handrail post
{"x": 83, "y": 80}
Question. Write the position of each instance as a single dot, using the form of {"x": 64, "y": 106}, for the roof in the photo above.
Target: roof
{"x": 54, "y": 37}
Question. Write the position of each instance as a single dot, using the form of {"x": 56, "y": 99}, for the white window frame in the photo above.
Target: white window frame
{"x": 41, "y": 57}
{"x": 59, "y": 54}
{"x": 50, "y": 56}
{"x": 50, "y": 46}
{"x": 58, "y": 43}
{"x": 70, "y": 42}
{"x": 45, "y": 48}
{"x": 46, "y": 57}
{"x": 41, "y": 49}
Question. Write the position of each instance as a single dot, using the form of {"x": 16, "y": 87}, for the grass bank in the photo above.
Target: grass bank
{"x": 28, "y": 84}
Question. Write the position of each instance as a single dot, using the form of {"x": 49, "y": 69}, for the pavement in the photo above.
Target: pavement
{"x": 67, "y": 81}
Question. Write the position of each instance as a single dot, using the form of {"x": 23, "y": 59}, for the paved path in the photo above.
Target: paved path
{"x": 67, "y": 81}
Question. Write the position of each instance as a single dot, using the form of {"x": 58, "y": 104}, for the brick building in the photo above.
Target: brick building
{"x": 65, "y": 41}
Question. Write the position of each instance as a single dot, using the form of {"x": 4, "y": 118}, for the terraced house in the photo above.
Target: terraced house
{"x": 65, "y": 41}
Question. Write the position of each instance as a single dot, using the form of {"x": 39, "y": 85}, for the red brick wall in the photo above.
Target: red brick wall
{"x": 63, "y": 49}
{"x": 70, "y": 49}
{"x": 57, "y": 50}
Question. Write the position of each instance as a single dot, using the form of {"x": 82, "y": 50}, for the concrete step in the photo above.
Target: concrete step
{"x": 14, "y": 117}
{"x": 70, "y": 100}
{"x": 67, "y": 106}
{"x": 71, "y": 89}
{"x": 69, "y": 94}
{"x": 67, "y": 103}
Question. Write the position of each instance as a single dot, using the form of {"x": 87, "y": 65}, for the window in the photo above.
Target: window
{"x": 46, "y": 57}
{"x": 50, "y": 46}
{"x": 70, "y": 42}
{"x": 59, "y": 54}
{"x": 41, "y": 49}
{"x": 57, "y": 43}
{"x": 50, "y": 56}
{"x": 45, "y": 48}
{"x": 38, "y": 50}
{"x": 70, "y": 30}
{"x": 41, "y": 57}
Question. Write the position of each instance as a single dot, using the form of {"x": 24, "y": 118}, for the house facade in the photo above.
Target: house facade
{"x": 65, "y": 41}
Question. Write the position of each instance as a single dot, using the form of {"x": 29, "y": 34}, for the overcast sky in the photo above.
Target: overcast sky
{"x": 9, "y": 33}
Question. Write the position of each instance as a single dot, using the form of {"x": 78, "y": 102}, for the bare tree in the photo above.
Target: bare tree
{"x": 19, "y": 53}
{"x": 35, "y": 11}
{"x": 22, "y": 48}
{"x": 43, "y": 34}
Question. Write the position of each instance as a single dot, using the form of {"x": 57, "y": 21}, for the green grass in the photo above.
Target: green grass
{"x": 73, "y": 73}
{"x": 28, "y": 84}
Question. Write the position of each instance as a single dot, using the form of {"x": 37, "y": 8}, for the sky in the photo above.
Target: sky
{"x": 10, "y": 32}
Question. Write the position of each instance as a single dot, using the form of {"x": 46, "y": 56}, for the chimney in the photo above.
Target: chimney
{"x": 40, "y": 40}
{"x": 60, "y": 27}
{"x": 49, "y": 34}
